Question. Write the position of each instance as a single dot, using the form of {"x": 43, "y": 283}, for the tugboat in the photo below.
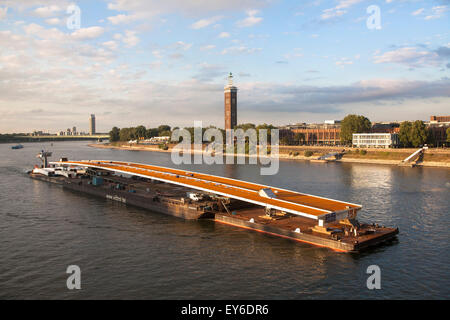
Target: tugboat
{"x": 18, "y": 146}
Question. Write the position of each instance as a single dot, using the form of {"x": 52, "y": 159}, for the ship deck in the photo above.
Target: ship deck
{"x": 301, "y": 204}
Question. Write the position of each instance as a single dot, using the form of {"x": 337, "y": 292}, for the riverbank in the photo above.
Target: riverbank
{"x": 431, "y": 158}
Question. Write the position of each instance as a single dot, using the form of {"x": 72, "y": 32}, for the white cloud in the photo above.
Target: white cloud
{"x": 208, "y": 47}
{"x": 53, "y": 21}
{"x": 157, "y": 54}
{"x": 205, "y": 22}
{"x": 339, "y": 9}
{"x": 251, "y": 19}
{"x": 296, "y": 53}
{"x": 3, "y": 13}
{"x": 343, "y": 62}
{"x": 88, "y": 33}
{"x": 130, "y": 38}
{"x": 224, "y": 35}
{"x": 418, "y": 12}
{"x": 409, "y": 56}
{"x": 181, "y": 45}
{"x": 437, "y": 12}
{"x": 156, "y": 64}
{"x": 111, "y": 45}
{"x": 49, "y": 11}
{"x": 190, "y": 8}
{"x": 123, "y": 18}
{"x": 240, "y": 50}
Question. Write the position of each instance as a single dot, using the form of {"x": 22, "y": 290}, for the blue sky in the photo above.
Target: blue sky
{"x": 150, "y": 62}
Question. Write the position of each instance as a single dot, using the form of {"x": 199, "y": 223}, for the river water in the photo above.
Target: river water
{"x": 129, "y": 253}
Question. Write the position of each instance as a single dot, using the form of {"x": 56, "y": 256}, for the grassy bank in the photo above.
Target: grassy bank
{"x": 432, "y": 157}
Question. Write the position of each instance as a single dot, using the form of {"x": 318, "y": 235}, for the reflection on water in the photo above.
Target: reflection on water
{"x": 379, "y": 177}
{"x": 126, "y": 252}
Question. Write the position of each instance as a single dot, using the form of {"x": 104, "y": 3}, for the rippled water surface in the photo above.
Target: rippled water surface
{"x": 126, "y": 252}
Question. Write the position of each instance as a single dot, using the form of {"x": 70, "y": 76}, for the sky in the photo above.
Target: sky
{"x": 151, "y": 62}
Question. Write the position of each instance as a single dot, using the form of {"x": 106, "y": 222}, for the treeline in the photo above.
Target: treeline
{"x": 411, "y": 134}
{"x": 137, "y": 133}
{"x": 141, "y": 132}
{"x": 11, "y": 137}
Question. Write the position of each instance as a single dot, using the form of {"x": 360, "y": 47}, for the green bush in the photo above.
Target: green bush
{"x": 296, "y": 154}
{"x": 363, "y": 152}
{"x": 163, "y": 146}
{"x": 308, "y": 153}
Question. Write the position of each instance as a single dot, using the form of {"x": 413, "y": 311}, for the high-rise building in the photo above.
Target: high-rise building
{"x": 92, "y": 124}
{"x": 230, "y": 104}
{"x": 74, "y": 131}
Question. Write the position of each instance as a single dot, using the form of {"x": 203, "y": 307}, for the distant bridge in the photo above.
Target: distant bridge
{"x": 60, "y": 138}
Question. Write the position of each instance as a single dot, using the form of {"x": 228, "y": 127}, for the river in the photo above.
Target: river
{"x": 129, "y": 253}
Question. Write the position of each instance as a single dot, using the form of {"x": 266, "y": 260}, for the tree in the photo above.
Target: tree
{"x": 419, "y": 133}
{"x": 413, "y": 134}
{"x": 404, "y": 134}
{"x": 127, "y": 134}
{"x": 114, "y": 134}
{"x": 448, "y": 134}
{"x": 165, "y": 133}
{"x": 140, "y": 131}
{"x": 162, "y": 128}
{"x": 299, "y": 138}
{"x": 269, "y": 128}
{"x": 286, "y": 141}
{"x": 151, "y": 132}
{"x": 353, "y": 124}
{"x": 245, "y": 126}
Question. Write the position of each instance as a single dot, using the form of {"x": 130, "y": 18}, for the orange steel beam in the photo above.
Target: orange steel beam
{"x": 297, "y": 203}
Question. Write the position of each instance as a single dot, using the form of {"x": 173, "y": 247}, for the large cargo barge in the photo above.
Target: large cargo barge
{"x": 189, "y": 195}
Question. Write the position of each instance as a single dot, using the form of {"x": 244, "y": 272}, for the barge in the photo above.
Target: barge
{"x": 190, "y": 195}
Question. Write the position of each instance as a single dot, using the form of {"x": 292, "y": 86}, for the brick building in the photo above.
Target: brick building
{"x": 230, "y": 92}
{"x": 314, "y": 134}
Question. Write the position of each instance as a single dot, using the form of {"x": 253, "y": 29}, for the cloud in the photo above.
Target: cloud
{"x": 156, "y": 64}
{"x": 123, "y": 18}
{"x": 338, "y": 10}
{"x": 413, "y": 57}
{"x": 251, "y": 19}
{"x": 343, "y": 61}
{"x": 48, "y": 11}
{"x": 181, "y": 45}
{"x": 3, "y": 13}
{"x": 418, "y": 12}
{"x": 111, "y": 45}
{"x": 129, "y": 38}
{"x": 189, "y": 8}
{"x": 53, "y": 21}
{"x": 88, "y": 33}
{"x": 224, "y": 35}
{"x": 208, "y": 47}
{"x": 205, "y": 22}
{"x": 296, "y": 53}
{"x": 437, "y": 12}
{"x": 208, "y": 72}
{"x": 240, "y": 50}
{"x": 328, "y": 99}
